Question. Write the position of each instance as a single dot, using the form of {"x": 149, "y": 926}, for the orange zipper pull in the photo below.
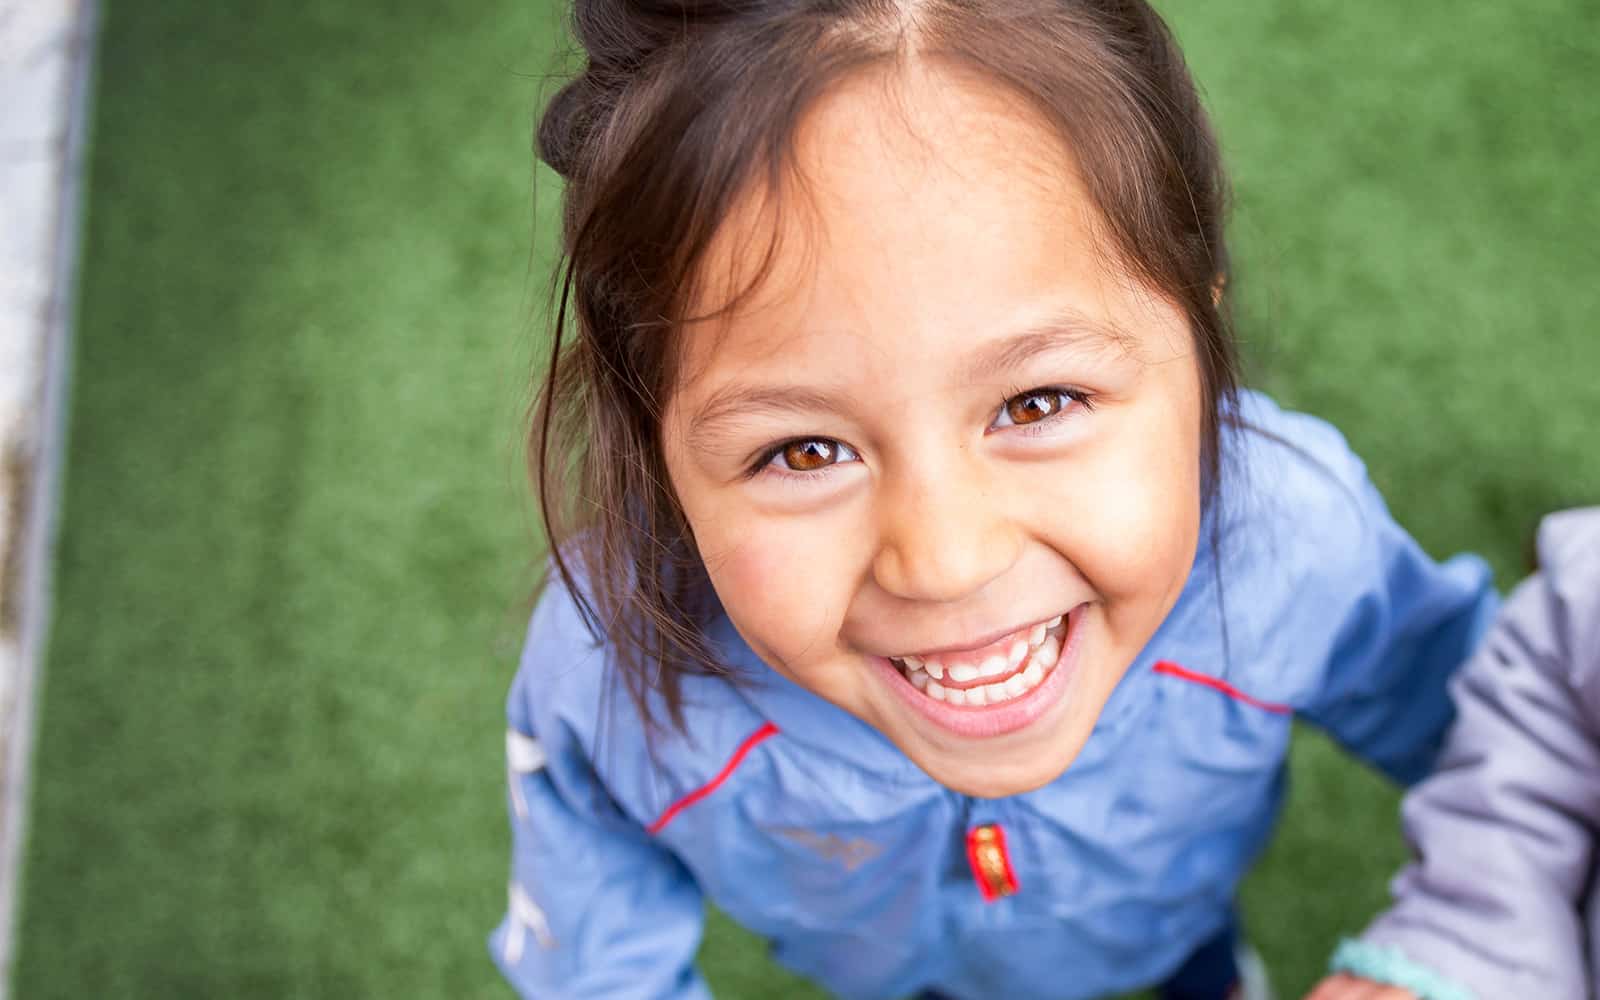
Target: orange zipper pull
{"x": 991, "y": 865}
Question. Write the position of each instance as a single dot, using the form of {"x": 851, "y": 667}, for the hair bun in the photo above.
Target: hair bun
{"x": 618, "y": 37}
{"x": 625, "y": 33}
{"x": 565, "y": 125}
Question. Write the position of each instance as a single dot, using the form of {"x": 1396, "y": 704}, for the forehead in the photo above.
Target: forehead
{"x": 924, "y": 208}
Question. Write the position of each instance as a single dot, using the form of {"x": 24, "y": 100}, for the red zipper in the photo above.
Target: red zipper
{"x": 991, "y": 864}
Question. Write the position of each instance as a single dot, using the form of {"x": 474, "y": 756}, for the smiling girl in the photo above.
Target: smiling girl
{"x": 898, "y": 475}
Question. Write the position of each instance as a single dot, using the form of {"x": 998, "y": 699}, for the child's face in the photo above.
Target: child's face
{"x": 945, "y": 419}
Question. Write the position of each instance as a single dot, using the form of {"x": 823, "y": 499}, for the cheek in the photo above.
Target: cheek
{"x": 1137, "y": 514}
{"x": 782, "y": 590}
{"x": 750, "y": 558}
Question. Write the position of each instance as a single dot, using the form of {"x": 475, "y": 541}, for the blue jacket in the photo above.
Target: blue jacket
{"x": 808, "y": 827}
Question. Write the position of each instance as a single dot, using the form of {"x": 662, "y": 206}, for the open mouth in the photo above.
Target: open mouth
{"x": 1001, "y": 672}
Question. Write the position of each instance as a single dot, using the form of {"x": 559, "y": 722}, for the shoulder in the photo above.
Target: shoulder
{"x": 570, "y": 671}
{"x": 1295, "y": 505}
{"x": 562, "y": 660}
{"x": 1282, "y": 464}
{"x": 1569, "y": 544}
{"x": 569, "y": 694}
{"x": 1569, "y": 563}
{"x": 1310, "y": 560}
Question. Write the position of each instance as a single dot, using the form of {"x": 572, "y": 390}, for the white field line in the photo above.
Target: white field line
{"x": 46, "y": 57}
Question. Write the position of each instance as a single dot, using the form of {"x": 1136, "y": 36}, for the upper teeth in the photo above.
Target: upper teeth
{"x": 1041, "y": 647}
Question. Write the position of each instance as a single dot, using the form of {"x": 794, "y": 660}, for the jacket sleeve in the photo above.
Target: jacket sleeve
{"x": 1504, "y": 832}
{"x": 596, "y": 909}
{"x": 1395, "y": 644}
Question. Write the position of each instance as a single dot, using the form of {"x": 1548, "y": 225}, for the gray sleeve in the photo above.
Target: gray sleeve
{"x": 1503, "y": 832}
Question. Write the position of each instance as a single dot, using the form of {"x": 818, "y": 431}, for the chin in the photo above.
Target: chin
{"x": 1004, "y": 767}
{"x": 995, "y": 781}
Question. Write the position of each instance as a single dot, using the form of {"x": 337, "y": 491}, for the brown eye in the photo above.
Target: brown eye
{"x": 1032, "y": 407}
{"x": 805, "y": 455}
{"x": 809, "y": 455}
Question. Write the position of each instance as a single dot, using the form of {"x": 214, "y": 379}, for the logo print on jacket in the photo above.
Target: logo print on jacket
{"x": 851, "y": 853}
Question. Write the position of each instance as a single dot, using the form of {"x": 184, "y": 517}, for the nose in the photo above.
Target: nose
{"x": 943, "y": 537}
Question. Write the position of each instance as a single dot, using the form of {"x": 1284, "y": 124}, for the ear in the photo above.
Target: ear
{"x": 1219, "y": 284}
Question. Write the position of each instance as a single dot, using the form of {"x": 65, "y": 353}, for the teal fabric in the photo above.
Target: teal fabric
{"x": 1391, "y": 967}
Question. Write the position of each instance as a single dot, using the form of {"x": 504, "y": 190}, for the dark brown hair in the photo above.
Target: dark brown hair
{"x": 685, "y": 103}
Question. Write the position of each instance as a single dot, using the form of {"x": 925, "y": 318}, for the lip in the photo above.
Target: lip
{"x": 988, "y": 721}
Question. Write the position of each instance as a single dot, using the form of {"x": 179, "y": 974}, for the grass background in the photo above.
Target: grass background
{"x": 295, "y": 542}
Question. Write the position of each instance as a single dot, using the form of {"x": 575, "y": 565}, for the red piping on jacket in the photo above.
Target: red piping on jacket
{"x": 706, "y": 789}
{"x": 1183, "y": 673}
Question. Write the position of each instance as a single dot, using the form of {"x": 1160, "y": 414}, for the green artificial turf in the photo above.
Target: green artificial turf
{"x": 295, "y": 546}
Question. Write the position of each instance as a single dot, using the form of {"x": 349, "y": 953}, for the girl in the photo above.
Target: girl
{"x": 1501, "y": 901}
{"x": 899, "y": 479}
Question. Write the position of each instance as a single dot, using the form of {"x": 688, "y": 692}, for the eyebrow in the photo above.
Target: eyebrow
{"x": 1064, "y": 330}
{"x": 738, "y": 401}
{"x": 1061, "y": 331}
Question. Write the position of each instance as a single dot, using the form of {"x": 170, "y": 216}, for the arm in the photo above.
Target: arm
{"x": 1504, "y": 831}
{"x": 597, "y": 908}
{"x": 1384, "y": 693}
